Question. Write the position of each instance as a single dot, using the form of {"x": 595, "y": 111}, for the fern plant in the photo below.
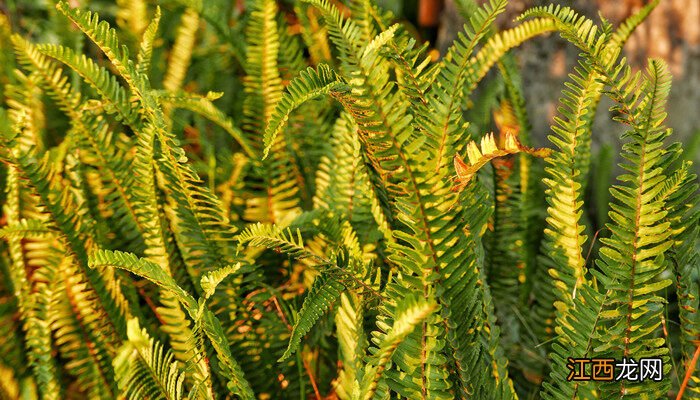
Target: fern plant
{"x": 299, "y": 200}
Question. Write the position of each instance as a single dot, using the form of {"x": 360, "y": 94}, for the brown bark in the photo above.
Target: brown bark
{"x": 429, "y": 12}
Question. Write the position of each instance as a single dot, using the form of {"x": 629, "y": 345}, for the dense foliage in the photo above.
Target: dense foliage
{"x": 276, "y": 200}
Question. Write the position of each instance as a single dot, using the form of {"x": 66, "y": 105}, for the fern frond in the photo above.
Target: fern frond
{"x": 278, "y": 201}
{"x": 212, "y": 279}
{"x": 327, "y": 253}
{"x": 106, "y": 39}
{"x": 143, "y": 64}
{"x": 680, "y": 195}
{"x": 323, "y": 294}
{"x": 343, "y": 183}
{"x": 392, "y": 145}
{"x": 411, "y": 312}
{"x": 512, "y": 80}
{"x": 308, "y": 85}
{"x": 204, "y": 107}
{"x": 82, "y": 334}
{"x": 414, "y": 71}
{"x": 579, "y": 321}
{"x": 290, "y": 58}
{"x": 628, "y": 26}
{"x": 274, "y": 237}
{"x": 186, "y": 344}
{"x": 24, "y": 228}
{"x": 361, "y": 12}
{"x": 313, "y": 34}
{"x": 25, "y": 117}
{"x": 566, "y": 181}
{"x": 144, "y": 369}
{"x": 99, "y": 140}
{"x": 143, "y": 268}
{"x": 352, "y": 343}
{"x": 466, "y": 305}
{"x": 181, "y": 53}
{"x": 132, "y": 15}
{"x": 38, "y": 342}
{"x": 633, "y": 257}
{"x": 343, "y": 33}
{"x": 627, "y": 90}
{"x": 566, "y": 173}
{"x": 57, "y": 199}
{"x": 578, "y": 29}
{"x": 236, "y": 382}
{"x": 489, "y": 151}
{"x": 444, "y": 131}
{"x": 33, "y": 60}
{"x": 445, "y": 99}
{"x": 13, "y": 356}
{"x": 192, "y": 207}
{"x": 104, "y": 83}
{"x": 210, "y": 324}
{"x": 263, "y": 73}
{"x": 386, "y": 134}
{"x": 33, "y": 308}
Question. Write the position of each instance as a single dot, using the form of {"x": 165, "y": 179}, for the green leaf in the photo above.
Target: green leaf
{"x": 308, "y": 85}
{"x": 144, "y": 369}
{"x": 212, "y": 279}
{"x": 411, "y": 312}
{"x": 143, "y": 268}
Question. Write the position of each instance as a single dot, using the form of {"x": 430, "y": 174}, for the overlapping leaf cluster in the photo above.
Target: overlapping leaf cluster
{"x": 213, "y": 202}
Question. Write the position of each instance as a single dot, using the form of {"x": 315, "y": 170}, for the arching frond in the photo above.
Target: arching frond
{"x": 309, "y": 84}
{"x": 99, "y": 78}
{"x": 143, "y": 268}
{"x": 206, "y": 108}
{"x": 210, "y": 324}
{"x": 105, "y": 38}
{"x": 272, "y": 236}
